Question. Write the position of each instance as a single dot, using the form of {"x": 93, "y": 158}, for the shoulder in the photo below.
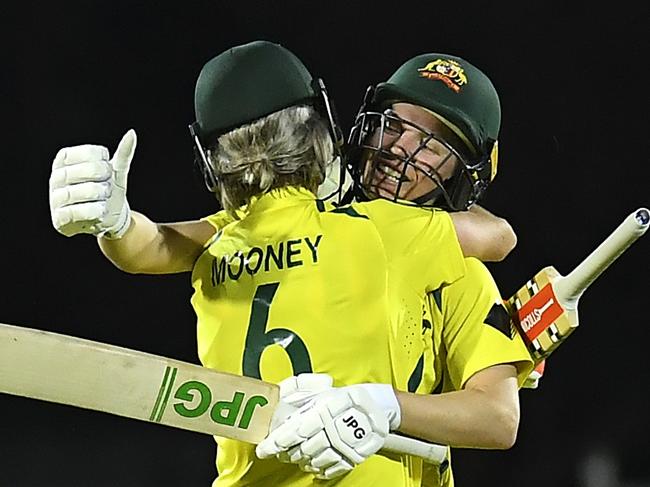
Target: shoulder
{"x": 476, "y": 286}
{"x": 383, "y": 210}
{"x": 218, "y": 220}
{"x": 476, "y": 271}
{"x": 382, "y": 205}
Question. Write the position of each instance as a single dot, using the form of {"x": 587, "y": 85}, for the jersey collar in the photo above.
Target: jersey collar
{"x": 280, "y": 198}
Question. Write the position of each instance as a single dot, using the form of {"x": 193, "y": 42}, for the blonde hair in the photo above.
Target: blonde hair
{"x": 289, "y": 148}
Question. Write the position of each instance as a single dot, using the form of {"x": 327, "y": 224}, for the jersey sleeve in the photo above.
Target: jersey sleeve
{"x": 420, "y": 243}
{"x": 477, "y": 331}
{"x": 219, "y": 220}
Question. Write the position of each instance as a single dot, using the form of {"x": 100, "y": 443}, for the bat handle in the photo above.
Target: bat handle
{"x": 429, "y": 452}
{"x": 568, "y": 289}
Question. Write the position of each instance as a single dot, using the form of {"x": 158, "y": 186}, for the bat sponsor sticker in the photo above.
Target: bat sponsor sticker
{"x": 539, "y": 312}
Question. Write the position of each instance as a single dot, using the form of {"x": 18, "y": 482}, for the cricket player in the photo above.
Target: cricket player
{"x": 428, "y": 136}
{"x": 285, "y": 284}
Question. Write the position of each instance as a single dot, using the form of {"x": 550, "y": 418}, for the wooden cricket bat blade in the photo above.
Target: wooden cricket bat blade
{"x": 92, "y": 375}
{"x": 97, "y": 376}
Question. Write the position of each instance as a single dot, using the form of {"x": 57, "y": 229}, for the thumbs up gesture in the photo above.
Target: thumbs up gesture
{"x": 88, "y": 189}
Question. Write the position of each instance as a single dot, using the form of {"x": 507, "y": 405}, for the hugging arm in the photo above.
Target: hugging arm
{"x": 484, "y": 235}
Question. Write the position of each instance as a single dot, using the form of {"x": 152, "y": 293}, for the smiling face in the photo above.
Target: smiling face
{"x": 408, "y": 154}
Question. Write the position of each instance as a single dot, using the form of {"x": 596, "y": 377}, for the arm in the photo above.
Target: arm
{"x": 88, "y": 196}
{"x": 484, "y": 365}
{"x": 157, "y": 248}
{"x": 327, "y": 431}
{"x": 485, "y": 414}
{"x": 484, "y": 235}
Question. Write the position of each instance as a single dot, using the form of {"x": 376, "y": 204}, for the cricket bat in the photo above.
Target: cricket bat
{"x": 138, "y": 385}
{"x": 545, "y": 309}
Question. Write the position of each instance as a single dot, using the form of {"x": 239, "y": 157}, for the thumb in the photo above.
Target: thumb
{"x": 122, "y": 157}
{"x": 300, "y": 388}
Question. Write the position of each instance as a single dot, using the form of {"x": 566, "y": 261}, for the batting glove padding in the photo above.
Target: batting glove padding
{"x": 333, "y": 430}
{"x": 532, "y": 381}
{"x": 88, "y": 190}
{"x": 296, "y": 392}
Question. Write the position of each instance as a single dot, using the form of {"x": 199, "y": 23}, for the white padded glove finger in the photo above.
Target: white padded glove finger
{"x": 79, "y": 154}
{"x": 297, "y": 391}
{"x": 118, "y": 217}
{"x": 80, "y": 218}
{"x": 84, "y": 172}
{"x": 292, "y": 431}
{"x": 68, "y": 170}
{"x": 336, "y": 470}
{"x": 88, "y": 191}
{"x": 79, "y": 193}
{"x": 326, "y": 459}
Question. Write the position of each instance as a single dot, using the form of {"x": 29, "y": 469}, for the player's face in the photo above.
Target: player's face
{"x": 412, "y": 159}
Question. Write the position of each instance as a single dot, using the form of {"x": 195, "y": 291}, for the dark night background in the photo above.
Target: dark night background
{"x": 574, "y": 162}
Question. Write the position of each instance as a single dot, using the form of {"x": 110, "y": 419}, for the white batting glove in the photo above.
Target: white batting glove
{"x": 88, "y": 190}
{"x": 335, "y": 430}
{"x": 296, "y": 392}
{"x": 532, "y": 381}
{"x": 331, "y": 184}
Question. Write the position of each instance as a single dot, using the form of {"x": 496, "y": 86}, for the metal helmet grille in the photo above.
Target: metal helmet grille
{"x": 431, "y": 173}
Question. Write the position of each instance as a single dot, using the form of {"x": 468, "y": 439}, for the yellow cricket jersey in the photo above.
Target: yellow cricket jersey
{"x": 470, "y": 331}
{"x": 300, "y": 286}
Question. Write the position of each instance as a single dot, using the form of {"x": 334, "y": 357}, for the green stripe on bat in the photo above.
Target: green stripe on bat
{"x": 163, "y": 394}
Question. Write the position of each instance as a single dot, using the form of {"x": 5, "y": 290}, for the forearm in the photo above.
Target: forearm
{"x": 471, "y": 418}
{"x": 484, "y": 235}
{"x": 155, "y": 248}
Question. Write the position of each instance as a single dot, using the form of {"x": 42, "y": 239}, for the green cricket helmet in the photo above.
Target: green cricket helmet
{"x": 246, "y": 83}
{"x": 461, "y": 97}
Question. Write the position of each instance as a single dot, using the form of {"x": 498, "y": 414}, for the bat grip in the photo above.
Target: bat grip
{"x": 429, "y": 452}
{"x": 568, "y": 289}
